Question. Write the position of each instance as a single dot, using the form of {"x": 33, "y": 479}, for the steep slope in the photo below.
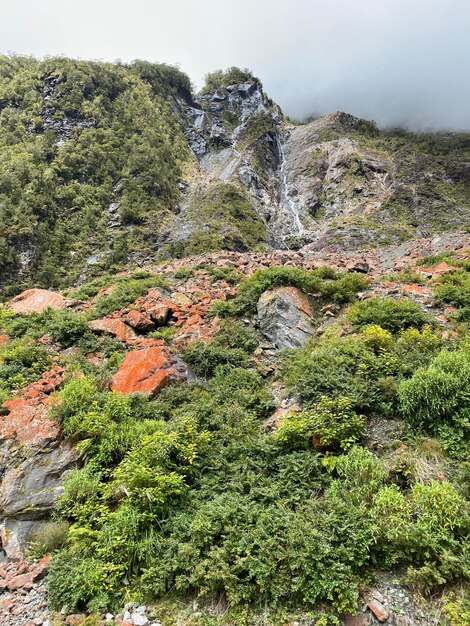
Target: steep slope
{"x": 241, "y": 479}
{"x": 112, "y": 165}
{"x": 91, "y": 160}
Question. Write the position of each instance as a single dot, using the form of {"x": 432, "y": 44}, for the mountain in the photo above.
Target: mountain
{"x": 234, "y": 357}
{"x": 106, "y": 165}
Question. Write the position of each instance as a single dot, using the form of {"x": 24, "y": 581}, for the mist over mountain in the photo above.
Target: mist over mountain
{"x": 399, "y": 62}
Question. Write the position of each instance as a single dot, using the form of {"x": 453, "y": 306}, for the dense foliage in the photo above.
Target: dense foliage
{"x": 84, "y": 145}
{"x": 190, "y": 493}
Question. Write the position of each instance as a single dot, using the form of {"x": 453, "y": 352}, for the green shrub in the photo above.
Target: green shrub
{"x": 127, "y": 291}
{"x": 183, "y": 272}
{"x": 333, "y": 423}
{"x": 21, "y": 362}
{"x": 325, "y": 281}
{"x": 82, "y": 583}
{"x": 393, "y": 315}
{"x": 454, "y": 289}
{"x": 227, "y": 274}
{"x": 345, "y": 366}
{"x": 235, "y": 334}
{"x": 426, "y": 527}
{"x": 438, "y": 395}
{"x": 204, "y": 358}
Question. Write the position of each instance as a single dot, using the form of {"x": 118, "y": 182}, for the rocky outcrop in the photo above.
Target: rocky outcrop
{"x": 148, "y": 371}
{"x": 285, "y": 317}
{"x": 33, "y": 462}
{"x": 36, "y": 301}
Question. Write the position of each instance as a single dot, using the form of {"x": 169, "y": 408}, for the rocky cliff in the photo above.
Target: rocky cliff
{"x": 107, "y": 166}
{"x": 234, "y": 386}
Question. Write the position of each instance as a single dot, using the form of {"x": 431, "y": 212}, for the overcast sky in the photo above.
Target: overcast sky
{"x": 400, "y": 62}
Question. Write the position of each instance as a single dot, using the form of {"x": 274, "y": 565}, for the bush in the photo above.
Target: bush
{"x": 454, "y": 289}
{"x": 183, "y": 272}
{"x": 235, "y": 334}
{"x": 21, "y": 362}
{"x": 325, "y": 281}
{"x": 330, "y": 423}
{"x": 204, "y": 358}
{"x": 345, "y": 366}
{"x": 127, "y": 291}
{"x": 82, "y": 583}
{"x": 392, "y": 315}
{"x": 426, "y": 527}
{"x": 438, "y": 394}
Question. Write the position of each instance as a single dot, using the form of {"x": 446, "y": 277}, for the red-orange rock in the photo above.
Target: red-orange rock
{"x": 4, "y": 339}
{"x": 114, "y": 327}
{"x": 36, "y": 301}
{"x": 27, "y": 420}
{"x": 378, "y": 610}
{"x": 441, "y": 268}
{"x": 417, "y": 290}
{"x": 139, "y": 321}
{"x": 23, "y": 581}
{"x": 146, "y": 371}
{"x": 159, "y": 314}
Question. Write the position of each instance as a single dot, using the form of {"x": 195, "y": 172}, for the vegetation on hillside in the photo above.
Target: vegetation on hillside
{"x": 192, "y": 494}
{"x": 84, "y": 145}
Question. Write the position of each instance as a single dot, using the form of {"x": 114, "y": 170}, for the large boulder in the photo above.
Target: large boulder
{"x": 36, "y": 301}
{"x": 34, "y": 460}
{"x": 148, "y": 371}
{"x": 285, "y": 317}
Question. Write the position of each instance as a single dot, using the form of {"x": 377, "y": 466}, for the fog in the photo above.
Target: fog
{"x": 399, "y": 62}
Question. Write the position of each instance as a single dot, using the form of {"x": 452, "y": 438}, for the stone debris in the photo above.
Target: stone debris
{"x": 23, "y": 596}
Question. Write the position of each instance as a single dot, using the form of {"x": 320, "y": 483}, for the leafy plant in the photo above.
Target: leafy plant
{"x": 329, "y": 423}
{"x": 393, "y": 315}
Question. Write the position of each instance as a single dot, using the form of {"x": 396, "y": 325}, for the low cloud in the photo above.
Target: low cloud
{"x": 400, "y": 62}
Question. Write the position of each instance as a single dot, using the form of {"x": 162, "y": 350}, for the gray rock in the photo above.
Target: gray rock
{"x": 139, "y": 620}
{"x": 29, "y": 490}
{"x": 285, "y": 317}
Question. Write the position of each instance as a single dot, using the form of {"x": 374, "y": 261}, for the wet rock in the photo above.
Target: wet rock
{"x": 33, "y": 461}
{"x": 29, "y": 490}
{"x": 147, "y": 371}
{"x": 285, "y": 317}
{"x": 36, "y": 301}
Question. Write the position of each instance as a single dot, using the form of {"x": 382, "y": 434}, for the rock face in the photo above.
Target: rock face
{"x": 33, "y": 461}
{"x": 148, "y": 371}
{"x": 285, "y": 317}
{"x": 36, "y": 301}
